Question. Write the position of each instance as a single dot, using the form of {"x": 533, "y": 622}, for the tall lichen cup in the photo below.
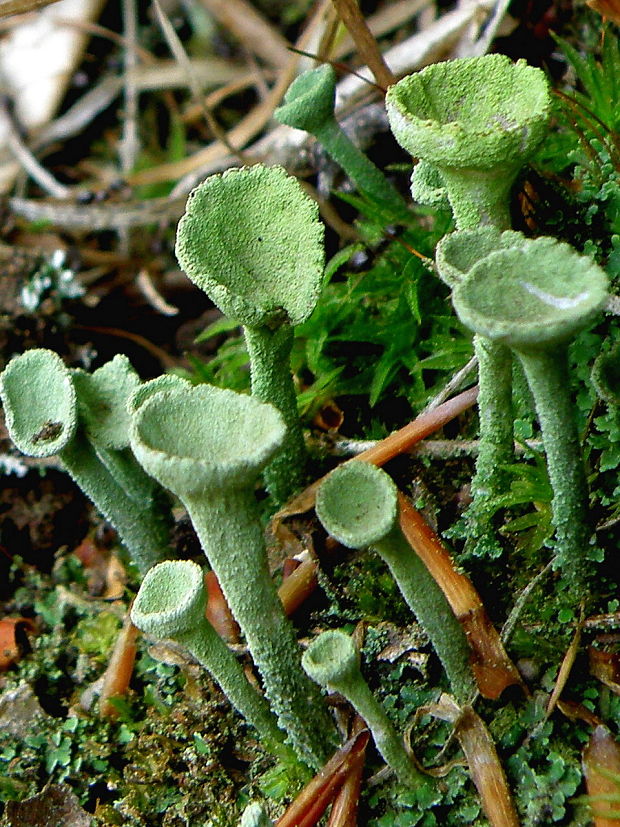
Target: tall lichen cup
{"x": 477, "y": 120}
{"x": 534, "y": 299}
{"x": 50, "y": 410}
{"x": 357, "y": 504}
{"x": 208, "y": 446}
{"x": 252, "y": 240}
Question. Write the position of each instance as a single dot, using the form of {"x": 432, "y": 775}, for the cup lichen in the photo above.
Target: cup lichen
{"x": 357, "y": 504}
{"x": 251, "y": 239}
{"x": 52, "y": 410}
{"x": 534, "y": 298}
{"x": 309, "y": 105}
{"x": 171, "y": 604}
{"x": 333, "y": 661}
{"x": 208, "y": 446}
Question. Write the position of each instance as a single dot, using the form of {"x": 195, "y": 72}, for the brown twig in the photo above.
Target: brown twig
{"x": 119, "y": 670}
{"x": 316, "y": 796}
{"x": 492, "y": 667}
{"x": 367, "y": 47}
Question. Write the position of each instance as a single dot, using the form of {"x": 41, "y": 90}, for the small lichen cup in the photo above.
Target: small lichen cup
{"x": 309, "y": 105}
{"x": 357, "y": 504}
{"x": 534, "y": 299}
{"x": 171, "y": 605}
{"x": 333, "y": 662}
{"x": 252, "y": 240}
{"x": 477, "y": 121}
{"x": 208, "y": 447}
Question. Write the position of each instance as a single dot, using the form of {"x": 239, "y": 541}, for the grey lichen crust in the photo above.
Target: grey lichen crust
{"x": 252, "y": 240}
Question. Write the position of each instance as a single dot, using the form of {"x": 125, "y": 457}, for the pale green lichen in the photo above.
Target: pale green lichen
{"x": 171, "y": 604}
{"x": 333, "y": 661}
{"x": 208, "y": 446}
{"x": 477, "y": 121}
{"x": 48, "y": 412}
{"x": 309, "y": 105}
{"x": 357, "y": 504}
{"x": 251, "y": 239}
{"x": 534, "y": 299}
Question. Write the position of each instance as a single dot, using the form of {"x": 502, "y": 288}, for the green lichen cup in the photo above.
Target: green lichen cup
{"x": 208, "y": 446}
{"x": 477, "y": 120}
{"x": 252, "y": 240}
{"x": 534, "y": 299}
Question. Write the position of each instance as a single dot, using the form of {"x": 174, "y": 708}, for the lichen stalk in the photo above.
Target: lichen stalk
{"x": 269, "y": 352}
{"x": 548, "y": 377}
{"x": 171, "y": 604}
{"x": 368, "y": 178}
{"x": 142, "y": 527}
{"x": 479, "y": 198}
{"x": 428, "y": 603}
{"x": 358, "y": 505}
{"x": 496, "y": 431}
{"x": 230, "y": 533}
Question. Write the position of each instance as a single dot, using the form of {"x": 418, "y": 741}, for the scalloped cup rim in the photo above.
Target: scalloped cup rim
{"x": 462, "y": 143}
{"x": 486, "y": 238}
{"x": 184, "y": 470}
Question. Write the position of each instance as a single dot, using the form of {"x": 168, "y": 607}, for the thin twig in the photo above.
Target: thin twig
{"x": 452, "y": 385}
{"x": 27, "y": 160}
{"x": 180, "y": 55}
{"x": 367, "y": 47}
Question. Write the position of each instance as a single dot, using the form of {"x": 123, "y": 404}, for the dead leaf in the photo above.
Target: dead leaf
{"x": 54, "y": 806}
{"x": 14, "y": 633}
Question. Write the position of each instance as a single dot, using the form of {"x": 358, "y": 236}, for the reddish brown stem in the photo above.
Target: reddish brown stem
{"x": 316, "y": 796}
{"x": 218, "y": 611}
{"x": 492, "y": 667}
{"x": 120, "y": 669}
{"x": 425, "y": 424}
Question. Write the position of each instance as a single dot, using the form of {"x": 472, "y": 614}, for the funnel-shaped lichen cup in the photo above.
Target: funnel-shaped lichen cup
{"x": 103, "y": 408}
{"x": 333, "y": 661}
{"x": 357, "y": 504}
{"x": 45, "y": 416}
{"x": 477, "y": 120}
{"x": 309, "y": 105}
{"x": 208, "y": 446}
{"x": 171, "y": 604}
{"x": 252, "y": 240}
{"x": 535, "y": 299}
